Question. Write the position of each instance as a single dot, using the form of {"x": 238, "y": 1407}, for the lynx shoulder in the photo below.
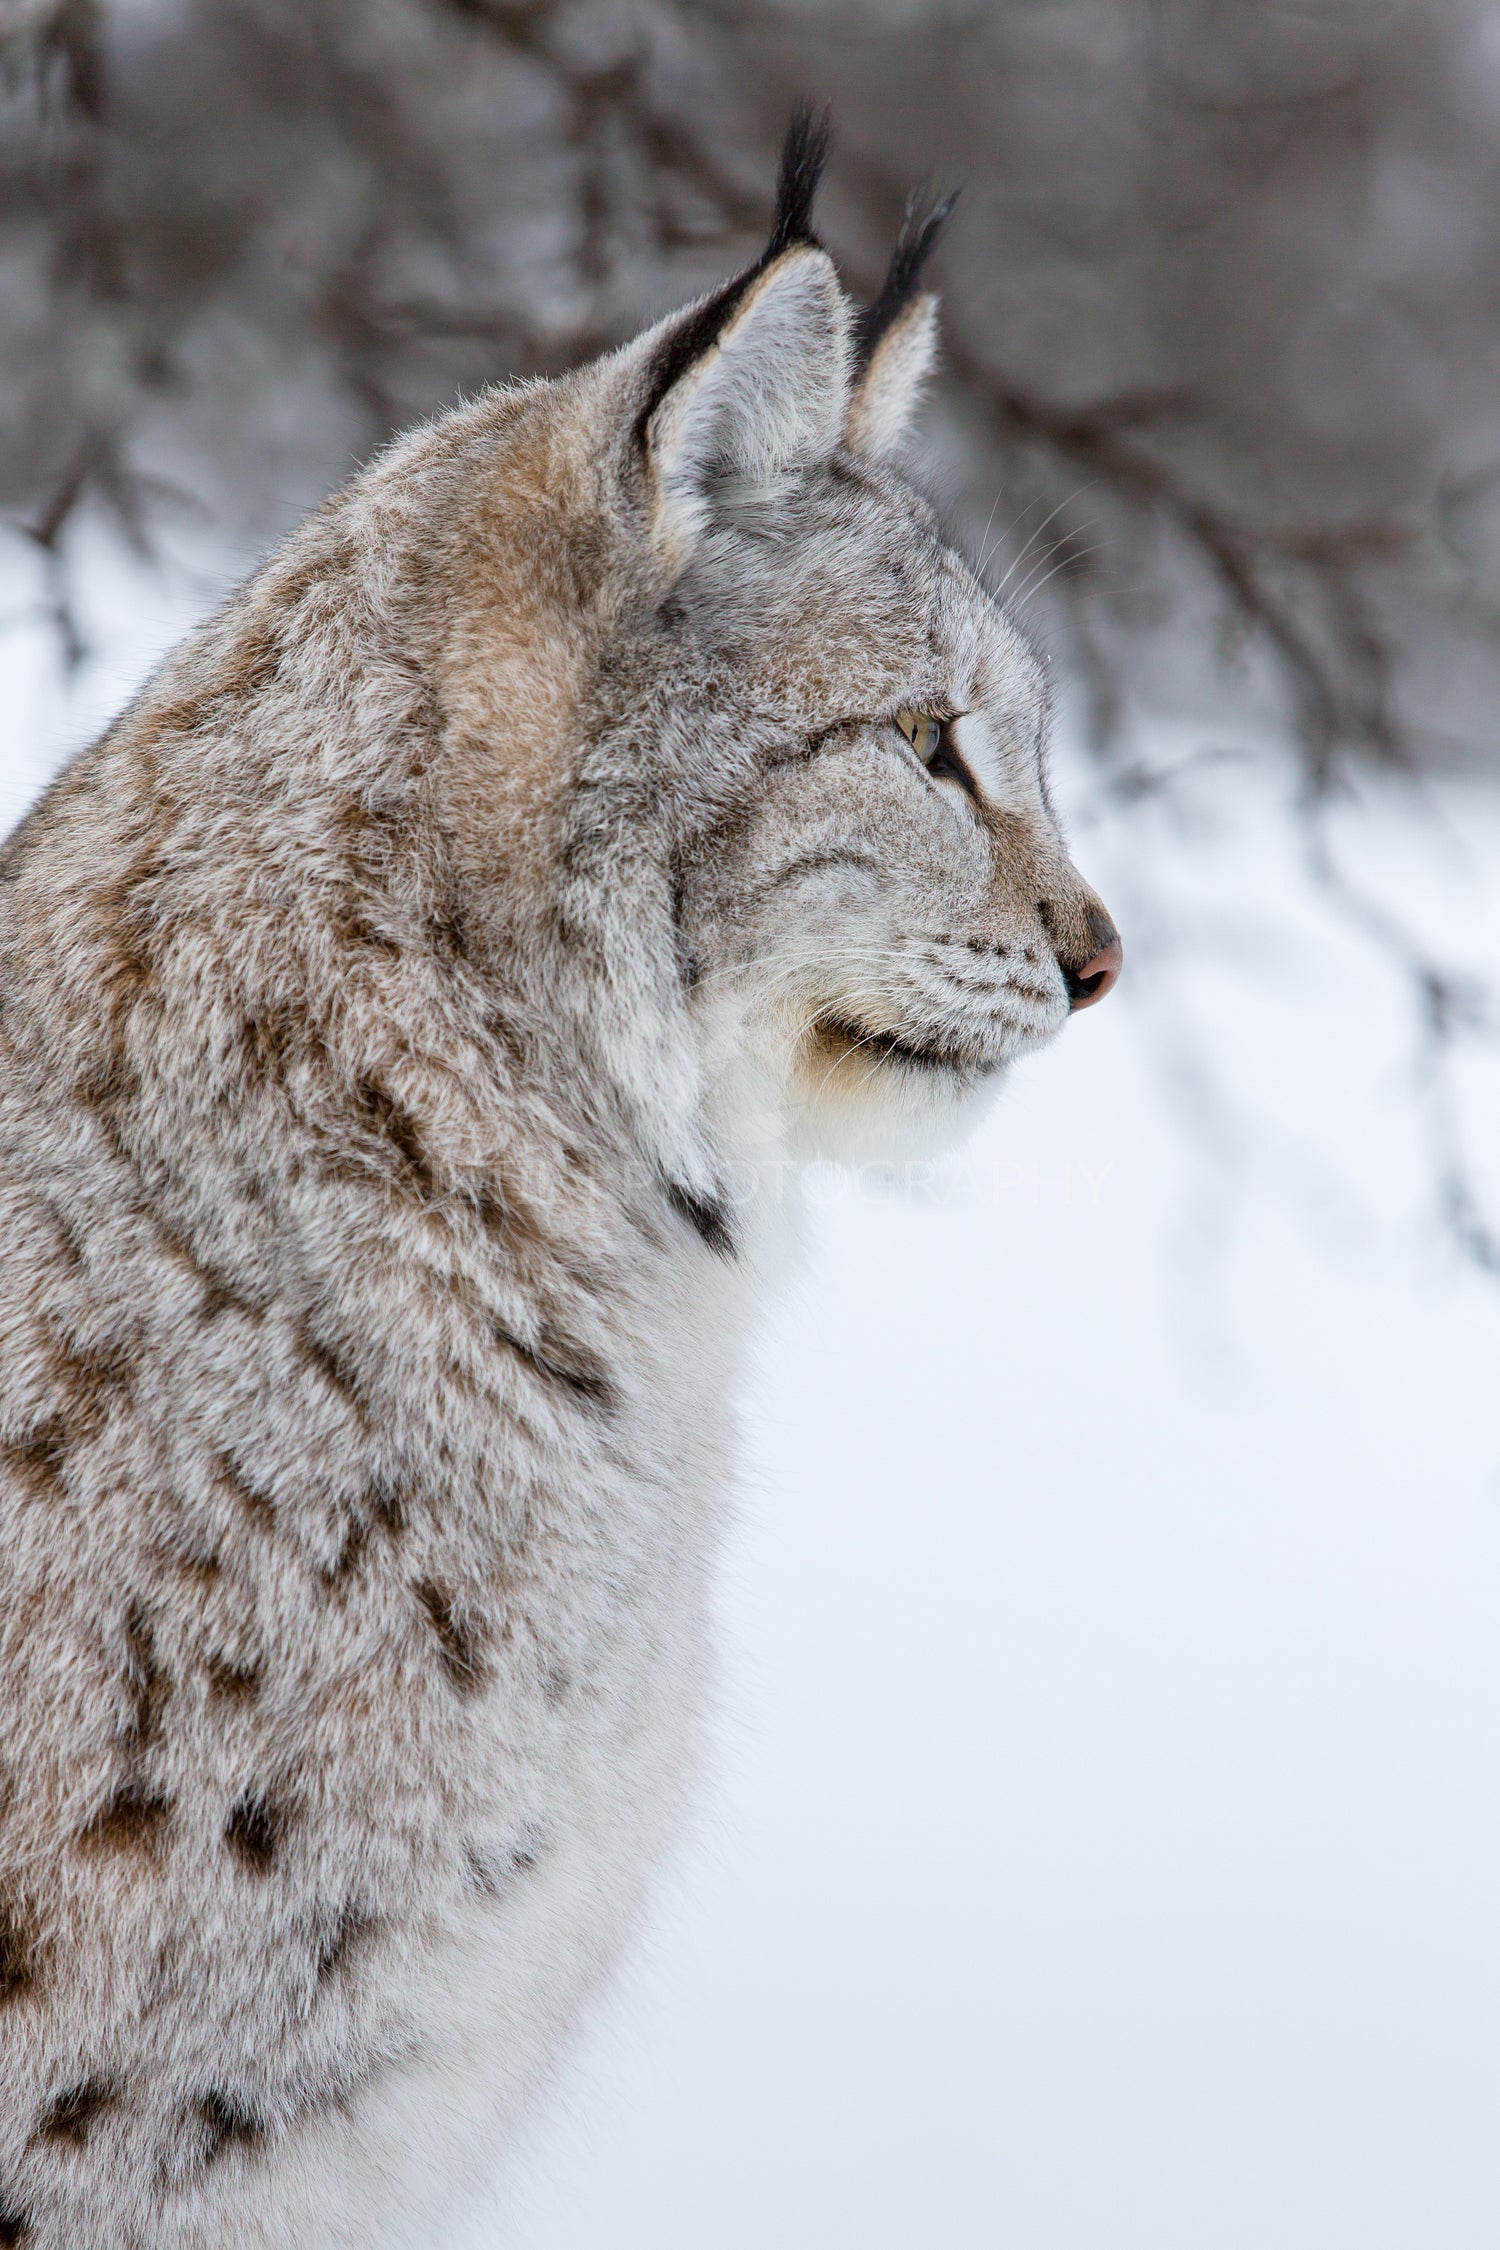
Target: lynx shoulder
{"x": 621, "y": 782}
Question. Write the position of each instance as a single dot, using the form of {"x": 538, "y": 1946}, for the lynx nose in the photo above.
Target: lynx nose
{"x": 1100, "y": 970}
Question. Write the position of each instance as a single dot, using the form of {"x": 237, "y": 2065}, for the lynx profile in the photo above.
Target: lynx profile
{"x": 619, "y": 783}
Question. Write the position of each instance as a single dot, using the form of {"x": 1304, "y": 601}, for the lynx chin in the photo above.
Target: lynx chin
{"x": 620, "y": 782}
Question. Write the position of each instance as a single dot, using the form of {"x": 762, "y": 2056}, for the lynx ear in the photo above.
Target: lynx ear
{"x": 897, "y": 336}
{"x": 888, "y": 393}
{"x": 764, "y": 397}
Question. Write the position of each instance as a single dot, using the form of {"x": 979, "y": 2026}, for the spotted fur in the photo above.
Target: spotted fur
{"x": 401, "y": 1009}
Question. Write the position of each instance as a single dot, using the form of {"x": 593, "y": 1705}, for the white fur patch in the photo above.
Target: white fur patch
{"x": 765, "y": 400}
{"x": 889, "y": 393}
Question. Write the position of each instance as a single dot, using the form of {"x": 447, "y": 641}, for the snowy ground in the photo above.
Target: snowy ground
{"x": 1107, "y": 1849}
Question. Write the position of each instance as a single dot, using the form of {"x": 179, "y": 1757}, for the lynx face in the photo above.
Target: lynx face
{"x": 892, "y": 901}
{"x": 834, "y": 733}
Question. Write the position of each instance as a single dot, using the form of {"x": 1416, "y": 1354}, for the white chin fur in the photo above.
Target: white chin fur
{"x": 888, "y": 1113}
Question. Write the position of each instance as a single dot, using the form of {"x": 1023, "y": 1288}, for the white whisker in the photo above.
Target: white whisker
{"x": 998, "y": 592}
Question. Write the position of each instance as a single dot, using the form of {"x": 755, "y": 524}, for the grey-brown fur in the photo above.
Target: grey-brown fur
{"x": 394, "y": 1006}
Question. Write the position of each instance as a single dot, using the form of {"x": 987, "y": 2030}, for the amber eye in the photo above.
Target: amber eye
{"x": 922, "y": 731}
{"x": 932, "y": 740}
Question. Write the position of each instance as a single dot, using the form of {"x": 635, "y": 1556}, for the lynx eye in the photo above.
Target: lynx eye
{"x": 922, "y": 731}
{"x": 932, "y": 740}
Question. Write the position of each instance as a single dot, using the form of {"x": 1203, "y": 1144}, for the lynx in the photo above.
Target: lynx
{"x": 620, "y": 787}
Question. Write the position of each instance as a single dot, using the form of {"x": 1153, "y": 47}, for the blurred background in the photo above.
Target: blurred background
{"x": 1107, "y": 1849}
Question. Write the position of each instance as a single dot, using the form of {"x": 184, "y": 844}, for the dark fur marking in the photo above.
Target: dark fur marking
{"x": 325, "y": 1357}
{"x": 588, "y": 1383}
{"x": 482, "y": 1875}
{"x": 492, "y": 1881}
{"x": 451, "y": 930}
{"x": 103, "y": 1093}
{"x": 72, "y": 1234}
{"x": 37, "y": 1459}
{"x": 92, "y": 1377}
{"x": 14, "y": 2225}
{"x": 128, "y": 972}
{"x": 502, "y": 1033}
{"x": 203, "y": 1570}
{"x": 71, "y": 2117}
{"x": 337, "y": 1947}
{"x": 813, "y": 745}
{"x": 324, "y": 565}
{"x": 218, "y": 1298}
{"x": 108, "y": 1079}
{"x": 148, "y": 1684}
{"x": 351, "y": 1554}
{"x": 355, "y": 927}
{"x": 501, "y": 1212}
{"x": 132, "y": 1820}
{"x": 227, "y": 2125}
{"x": 217, "y": 1294}
{"x": 235, "y": 1683}
{"x": 488, "y": 1205}
{"x": 252, "y": 663}
{"x": 252, "y": 658}
{"x": 254, "y": 1832}
{"x": 247, "y": 666}
{"x": 708, "y": 1220}
{"x": 387, "y": 1505}
{"x": 269, "y": 1038}
{"x": 814, "y": 862}
{"x": 460, "y": 1647}
{"x": 689, "y": 967}
{"x": 258, "y": 1504}
{"x": 17, "y": 1955}
{"x": 396, "y": 1126}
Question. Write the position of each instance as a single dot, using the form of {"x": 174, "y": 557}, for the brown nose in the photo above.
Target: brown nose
{"x": 1099, "y": 972}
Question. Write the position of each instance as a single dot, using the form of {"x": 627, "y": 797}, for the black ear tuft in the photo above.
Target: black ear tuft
{"x": 914, "y": 246}
{"x": 804, "y": 153}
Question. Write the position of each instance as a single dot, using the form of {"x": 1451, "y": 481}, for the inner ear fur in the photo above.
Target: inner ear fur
{"x": 885, "y": 400}
{"x": 765, "y": 397}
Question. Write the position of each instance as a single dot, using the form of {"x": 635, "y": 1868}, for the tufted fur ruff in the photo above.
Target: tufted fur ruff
{"x": 403, "y": 1010}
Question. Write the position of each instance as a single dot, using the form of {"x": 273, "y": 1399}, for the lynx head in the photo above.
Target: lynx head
{"x": 802, "y": 805}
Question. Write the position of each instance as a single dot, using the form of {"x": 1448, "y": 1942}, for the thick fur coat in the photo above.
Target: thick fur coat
{"x": 402, "y": 1010}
